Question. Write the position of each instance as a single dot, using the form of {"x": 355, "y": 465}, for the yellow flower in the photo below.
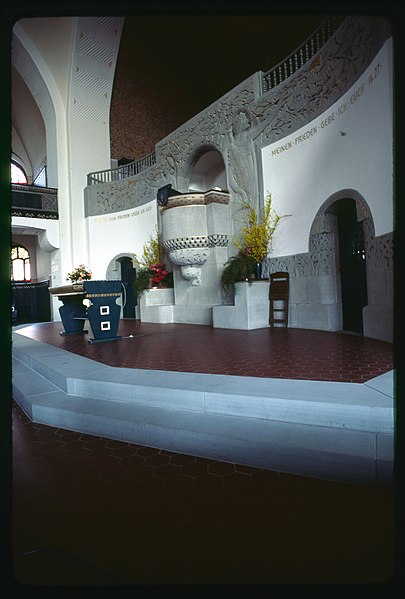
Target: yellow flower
{"x": 256, "y": 234}
{"x": 152, "y": 251}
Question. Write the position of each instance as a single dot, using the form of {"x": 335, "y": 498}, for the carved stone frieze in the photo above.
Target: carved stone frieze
{"x": 323, "y": 223}
{"x": 185, "y": 243}
{"x": 362, "y": 210}
{"x": 123, "y": 195}
{"x": 313, "y": 89}
{"x": 240, "y": 122}
{"x": 320, "y": 260}
{"x": 209, "y": 127}
{"x": 379, "y": 250}
{"x": 215, "y": 240}
{"x": 190, "y": 260}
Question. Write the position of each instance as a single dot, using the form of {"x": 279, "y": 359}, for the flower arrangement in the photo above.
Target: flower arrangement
{"x": 153, "y": 272}
{"x": 257, "y": 231}
{"x": 79, "y": 274}
{"x": 253, "y": 243}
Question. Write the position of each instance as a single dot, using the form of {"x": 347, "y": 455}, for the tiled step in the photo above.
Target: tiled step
{"x": 213, "y": 416}
{"x": 366, "y": 407}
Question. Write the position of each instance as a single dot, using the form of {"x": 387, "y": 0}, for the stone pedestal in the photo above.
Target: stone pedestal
{"x": 195, "y": 234}
{"x": 251, "y": 308}
{"x": 157, "y": 305}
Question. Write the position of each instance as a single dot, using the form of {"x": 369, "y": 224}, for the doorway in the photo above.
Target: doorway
{"x": 128, "y": 278}
{"x": 353, "y": 274}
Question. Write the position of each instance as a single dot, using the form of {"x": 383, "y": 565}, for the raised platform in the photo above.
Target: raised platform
{"x": 330, "y": 430}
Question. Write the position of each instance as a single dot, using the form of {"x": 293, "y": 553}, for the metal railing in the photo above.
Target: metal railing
{"x": 301, "y": 55}
{"x": 271, "y": 79}
{"x": 122, "y": 172}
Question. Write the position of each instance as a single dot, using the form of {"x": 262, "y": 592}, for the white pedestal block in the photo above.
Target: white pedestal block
{"x": 157, "y": 305}
{"x": 251, "y": 309}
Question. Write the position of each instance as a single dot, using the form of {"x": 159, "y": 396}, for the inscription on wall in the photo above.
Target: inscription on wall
{"x": 118, "y": 217}
{"x": 334, "y": 115}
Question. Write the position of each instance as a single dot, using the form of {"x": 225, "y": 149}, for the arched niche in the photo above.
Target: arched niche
{"x": 208, "y": 171}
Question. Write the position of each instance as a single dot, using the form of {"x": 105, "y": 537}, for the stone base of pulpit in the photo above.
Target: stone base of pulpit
{"x": 250, "y": 310}
{"x": 156, "y": 305}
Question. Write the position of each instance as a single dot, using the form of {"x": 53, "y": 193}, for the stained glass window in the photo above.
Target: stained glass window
{"x": 20, "y": 264}
{"x": 17, "y": 174}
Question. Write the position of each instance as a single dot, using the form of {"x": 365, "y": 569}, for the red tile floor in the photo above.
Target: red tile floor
{"x": 271, "y": 352}
{"x": 92, "y": 511}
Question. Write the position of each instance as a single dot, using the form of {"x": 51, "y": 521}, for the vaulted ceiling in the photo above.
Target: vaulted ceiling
{"x": 203, "y": 57}
{"x": 187, "y": 62}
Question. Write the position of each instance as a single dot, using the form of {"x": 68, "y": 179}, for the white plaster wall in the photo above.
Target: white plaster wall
{"x": 123, "y": 232}
{"x": 48, "y": 226}
{"x": 348, "y": 147}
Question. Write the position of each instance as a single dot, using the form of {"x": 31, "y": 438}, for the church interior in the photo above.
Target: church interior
{"x": 202, "y": 301}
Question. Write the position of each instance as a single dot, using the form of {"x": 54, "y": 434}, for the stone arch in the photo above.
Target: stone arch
{"x": 113, "y": 270}
{"x": 377, "y": 313}
{"x": 205, "y": 169}
{"x": 315, "y": 281}
{"x": 34, "y": 72}
{"x": 329, "y": 207}
{"x": 339, "y": 222}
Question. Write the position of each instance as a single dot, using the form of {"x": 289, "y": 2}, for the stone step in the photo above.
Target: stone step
{"x": 257, "y": 424}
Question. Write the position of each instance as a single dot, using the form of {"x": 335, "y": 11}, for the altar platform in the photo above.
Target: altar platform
{"x": 190, "y": 455}
{"x": 285, "y": 353}
{"x": 304, "y": 402}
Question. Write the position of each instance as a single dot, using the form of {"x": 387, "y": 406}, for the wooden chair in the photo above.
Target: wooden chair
{"x": 279, "y": 293}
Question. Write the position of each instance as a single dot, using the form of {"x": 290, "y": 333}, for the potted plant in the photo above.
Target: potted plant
{"x": 153, "y": 273}
{"x": 241, "y": 267}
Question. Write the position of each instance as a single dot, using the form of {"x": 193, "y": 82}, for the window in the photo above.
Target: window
{"x": 20, "y": 264}
{"x": 17, "y": 174}
{"x": 41, "y": 178}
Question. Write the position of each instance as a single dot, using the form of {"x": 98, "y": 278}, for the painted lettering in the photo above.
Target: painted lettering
{"x": 328, "y": 120}
{"x": 374, "y": 74}
{"x": 342, "y": 108}
{"x": 306, "y": 135}
{"x": 282, "y": 148}
{"x": 356, "y": 95}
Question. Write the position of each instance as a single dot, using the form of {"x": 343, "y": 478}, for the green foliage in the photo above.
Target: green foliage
{"x": 155, "y": 275}
{"x": 152, "y": 272}
{"x": 238, "y": 268}
{"x": 143, "y": 276}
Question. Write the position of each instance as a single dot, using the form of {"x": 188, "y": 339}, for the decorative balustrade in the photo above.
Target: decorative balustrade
{"x": 34, "y": 201}
{"x": 301, "y": 55}
{"x": 271, "y": 79}
{"x": 122, "y": 172}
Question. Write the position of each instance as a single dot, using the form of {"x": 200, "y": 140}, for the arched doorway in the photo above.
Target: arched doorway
{"x": 352, "y": 265}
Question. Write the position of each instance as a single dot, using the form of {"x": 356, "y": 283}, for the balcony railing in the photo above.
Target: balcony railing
{"x": 301, "y": 55}
{"x": 271, "y": 79}
{"x": 35, "y": 202}
{"x": 122, "y": 172}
